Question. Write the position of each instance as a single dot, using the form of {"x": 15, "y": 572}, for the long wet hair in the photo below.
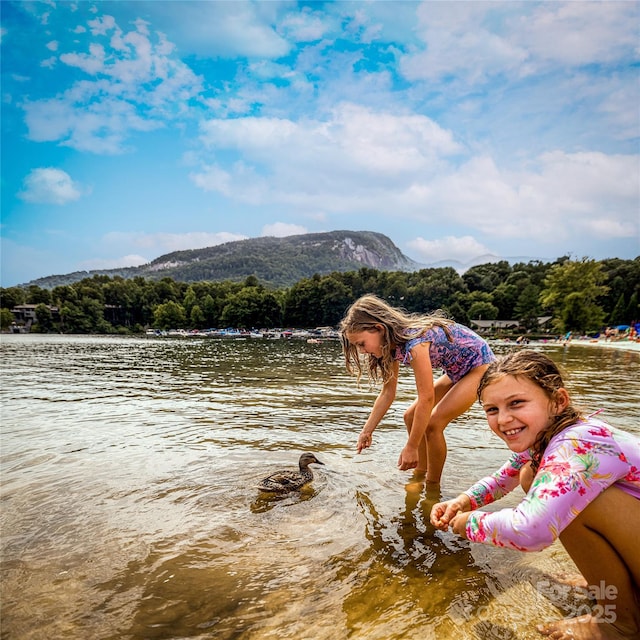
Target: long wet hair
{"x": 542, "y": 371}
{"x": 398, "y": 327}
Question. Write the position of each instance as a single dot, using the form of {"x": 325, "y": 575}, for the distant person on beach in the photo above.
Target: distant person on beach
{"x": 581, "y": 477}
{"x": 390, "y": 337}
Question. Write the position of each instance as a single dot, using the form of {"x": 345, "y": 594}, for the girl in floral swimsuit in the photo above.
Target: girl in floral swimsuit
{"x": 392, "y": 337}
{"x": 582, "y": 482}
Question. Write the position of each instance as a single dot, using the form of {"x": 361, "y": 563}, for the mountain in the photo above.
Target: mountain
{"x": 278, "y": 262}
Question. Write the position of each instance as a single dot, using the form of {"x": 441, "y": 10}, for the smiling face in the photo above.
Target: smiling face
{"x": 517, "y": 410}
{"x": 368, "y": 341}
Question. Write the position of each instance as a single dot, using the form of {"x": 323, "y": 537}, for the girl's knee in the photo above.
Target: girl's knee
{"x": 435, "y": 428}
{"x": 408, "y": 418}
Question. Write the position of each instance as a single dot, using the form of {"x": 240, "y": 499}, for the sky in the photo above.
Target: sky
{"x": 458, "y": 129}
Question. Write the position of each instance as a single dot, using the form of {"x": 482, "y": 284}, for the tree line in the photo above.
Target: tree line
{"x": 583, "y": 296}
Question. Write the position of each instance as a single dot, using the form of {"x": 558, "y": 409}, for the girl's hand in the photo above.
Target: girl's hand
{"x": 364, "y": 441}
{"x": 408, "y": 458}
{"x": 443, "y": 513}
{"x": 459, "y": 524}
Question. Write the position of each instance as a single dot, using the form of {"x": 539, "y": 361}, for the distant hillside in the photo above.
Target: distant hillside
{"x": 278, "y": 262}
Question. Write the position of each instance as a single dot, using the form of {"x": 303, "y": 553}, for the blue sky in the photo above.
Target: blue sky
{"x": 458, "y": 129}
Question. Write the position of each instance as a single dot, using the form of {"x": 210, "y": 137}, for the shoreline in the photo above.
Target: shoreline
{"x": 620, "y": 345}
{"x": 623, "y": 345}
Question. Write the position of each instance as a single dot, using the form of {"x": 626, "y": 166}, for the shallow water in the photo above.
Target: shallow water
{"x": 129, "y": 509}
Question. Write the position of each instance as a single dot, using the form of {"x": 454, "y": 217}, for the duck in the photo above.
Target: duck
{"x": 287, "y": 480}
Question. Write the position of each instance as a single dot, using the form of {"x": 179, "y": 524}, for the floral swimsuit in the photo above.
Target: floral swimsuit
{"x": 578, "y": 464}
{"x": 466, "y": 350}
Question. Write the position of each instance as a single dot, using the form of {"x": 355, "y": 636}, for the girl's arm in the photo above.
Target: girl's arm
{"x": 485, "y": 491}
{"x": 380, "y": 407}
{"x": 500, "y": 483}
{"x": 423, "y": 372}
{"x": 574, "y": 471}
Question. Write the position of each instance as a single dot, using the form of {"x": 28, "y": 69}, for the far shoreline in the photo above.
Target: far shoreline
{"x": 624, "y": 345}
{"x": 620, "y": 345}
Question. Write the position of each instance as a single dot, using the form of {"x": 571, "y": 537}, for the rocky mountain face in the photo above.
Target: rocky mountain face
{"x": 278, "y": 262}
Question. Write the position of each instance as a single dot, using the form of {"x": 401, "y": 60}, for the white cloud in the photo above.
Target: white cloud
{"x": 283, "y": 229}
{"x": 226, "y": 29}
{"x": 160, "y": 243}
{"x": 304, "y": 26}
{"x": 459, "y": 40}
{"x": 578, "y": 33}
{"x": 561, "y": 196}
{"x": 478, "y": 41}
{"x": 100, "y": 128}
{"x": 47, "y": 185}
{"x": 377, "y": 163}
{"x": 135, "y": 85}
{"x": 462, "y": 249}
{"x": 328, "y": 165}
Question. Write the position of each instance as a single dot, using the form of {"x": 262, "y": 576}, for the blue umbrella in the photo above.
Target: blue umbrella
{"x": 623, "y": 327}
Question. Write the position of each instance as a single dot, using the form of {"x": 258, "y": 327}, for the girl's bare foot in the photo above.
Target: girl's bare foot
{"x": 416, "y": 484}
{"x": 573, "y": 580}
{"x": 586, "y": 628}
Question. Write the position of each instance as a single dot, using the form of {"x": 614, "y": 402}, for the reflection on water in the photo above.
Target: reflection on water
{"x": 129, "y": 509}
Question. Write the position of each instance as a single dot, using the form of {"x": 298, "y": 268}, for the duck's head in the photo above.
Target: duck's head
{"x": 308, "y": 458}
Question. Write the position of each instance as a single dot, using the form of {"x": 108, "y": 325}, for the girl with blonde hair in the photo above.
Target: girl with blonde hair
{"x": 387, "y": 337}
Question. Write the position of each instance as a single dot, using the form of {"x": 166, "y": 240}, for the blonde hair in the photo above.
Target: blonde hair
{"x": 542, "y": 371}
{"x": 398, "y": 327}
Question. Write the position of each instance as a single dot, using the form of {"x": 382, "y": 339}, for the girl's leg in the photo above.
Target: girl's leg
{"x": 440, "y": 388}
{"x": 454, "y": 402}
{"x": 421, "y": 469}
{"x": 602, "y": 541}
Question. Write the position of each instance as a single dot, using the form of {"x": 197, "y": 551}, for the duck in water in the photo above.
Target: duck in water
{"x": 287, "y": 480}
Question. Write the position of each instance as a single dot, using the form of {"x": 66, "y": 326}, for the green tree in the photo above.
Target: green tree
{"x": 632, "y": 312}
{"x": 457, "y": 313}
{"x": 301, "y": 300}
{"x": 197, "y": 318}
{"x": 36, "y": 295}
{"x": 252, "y": 307}
{"x": 167, "y": 290}
{"x": 579, "y": 315}
{"x": 433, "y": 289}
{"x": 170, "y": 315}
{"x": 190, "y": 300}
{"x": 505, "y": 297}
{"x": 6, "y": 318}
{"x": 483, "y": 311}
{"x": 486, "y": 277}
{"x": 622, "y": 278}
{"x": 527, "y": 308}
{"x": 571, "y": 291}
{"x": 211, "y": 311}
{"x": 125, "y": 294}
{"x": 11, "y": 297}
{"x": 618, "y": 315}
{"x": 72, "y": 319}
{"x": 44, "y": 318}
{"x": 64, "y": 294}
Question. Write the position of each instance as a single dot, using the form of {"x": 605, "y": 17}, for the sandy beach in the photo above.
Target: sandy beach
{"x": 625, "y": 345}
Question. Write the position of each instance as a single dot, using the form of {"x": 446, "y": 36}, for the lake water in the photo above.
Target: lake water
{"x": 129, "y": 509}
